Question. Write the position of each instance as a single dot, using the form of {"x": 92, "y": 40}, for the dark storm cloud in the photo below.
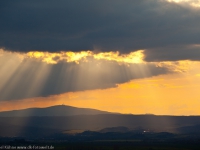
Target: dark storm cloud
{"x": 173, "y": 53}
{"x": 123, "y": 25}
{"x": 32, "y": 78}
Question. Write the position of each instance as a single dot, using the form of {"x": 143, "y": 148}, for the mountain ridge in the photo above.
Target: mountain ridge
{"x": 57, "y": 110}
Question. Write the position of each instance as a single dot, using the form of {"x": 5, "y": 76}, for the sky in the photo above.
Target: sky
{"x": 132, "y": 57}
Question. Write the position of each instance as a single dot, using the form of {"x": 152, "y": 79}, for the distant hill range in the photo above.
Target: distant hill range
{"x": 58, "y": 110}
{"x": 39, "y": 122}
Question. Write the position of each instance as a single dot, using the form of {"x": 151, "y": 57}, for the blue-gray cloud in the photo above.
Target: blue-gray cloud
{"x": 125, "y": 25}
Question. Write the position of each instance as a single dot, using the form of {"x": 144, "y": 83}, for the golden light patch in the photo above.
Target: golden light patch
{"x": 198, "y": 75}
{"x": 56, "y": 57}
{"x": 133, "y": 57}
{"x": 177, "y": 66}
{"x": 53, "y": 58}
{"x": 194, "y": 3}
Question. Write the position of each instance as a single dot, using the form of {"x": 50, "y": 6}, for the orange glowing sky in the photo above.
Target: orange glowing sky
{"x": 175, "y": 93}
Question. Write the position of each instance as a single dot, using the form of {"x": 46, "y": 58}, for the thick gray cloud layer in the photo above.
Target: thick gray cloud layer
{"x": 173, "y": 53}
{"x": 31, "y": 78}
{"x": 164, "y": 29}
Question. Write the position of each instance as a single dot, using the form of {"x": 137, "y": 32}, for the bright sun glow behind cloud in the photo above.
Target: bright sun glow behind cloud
{"x": 195, "y": 3}
{"x": 53, "y": 58}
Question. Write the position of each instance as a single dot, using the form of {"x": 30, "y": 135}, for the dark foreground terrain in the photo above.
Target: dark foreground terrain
{"x": 107, "y": 141}
{"x": 86, "y": 129}
{"x": 115, "y": 138}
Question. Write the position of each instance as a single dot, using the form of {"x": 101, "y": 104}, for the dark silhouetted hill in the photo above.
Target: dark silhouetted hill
{"x": 57, "y": 119}
{"x": 59, "y": 110}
